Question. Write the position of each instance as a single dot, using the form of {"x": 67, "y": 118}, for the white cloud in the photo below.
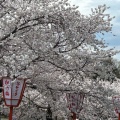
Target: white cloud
{"x": 85, "y": 8}
{"x": 83, "y": 5}
{"x": 86, "y": 5}
{"x": 117, "y": 57}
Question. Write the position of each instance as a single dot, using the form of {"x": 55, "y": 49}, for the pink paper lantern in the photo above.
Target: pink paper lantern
{"x": 13, "y": 91}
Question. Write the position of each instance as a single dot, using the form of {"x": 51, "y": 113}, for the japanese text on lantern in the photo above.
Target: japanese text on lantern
{"x": 17, "y": 88}
{"x": 7, "y": 88}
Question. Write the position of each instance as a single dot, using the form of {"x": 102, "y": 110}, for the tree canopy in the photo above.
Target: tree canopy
{"x": 54, "y": 45}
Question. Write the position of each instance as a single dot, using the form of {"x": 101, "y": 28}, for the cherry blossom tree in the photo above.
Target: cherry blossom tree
{"x": 51, "y": 43}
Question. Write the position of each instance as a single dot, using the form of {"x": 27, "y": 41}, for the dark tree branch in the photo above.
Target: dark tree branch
{"x": 65, "y": 69}
{"x": 63, "y": 51}
{"x": 8, "y": 35}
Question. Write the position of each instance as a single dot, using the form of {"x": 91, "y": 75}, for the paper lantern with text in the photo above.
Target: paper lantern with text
{"x": 75, "y": 101}
{"x": 13, "y": 91}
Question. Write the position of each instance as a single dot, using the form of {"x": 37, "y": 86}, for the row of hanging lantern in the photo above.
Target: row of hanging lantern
{"x": 13, "y": 92}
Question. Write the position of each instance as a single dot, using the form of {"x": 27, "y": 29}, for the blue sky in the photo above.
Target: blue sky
{"x": 85, "y": 8}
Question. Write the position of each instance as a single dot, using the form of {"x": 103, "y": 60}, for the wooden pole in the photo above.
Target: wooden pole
{"x": 11, "y": 112}
{"x": 74, "y": 116}
{"x": 118, "y": 116}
